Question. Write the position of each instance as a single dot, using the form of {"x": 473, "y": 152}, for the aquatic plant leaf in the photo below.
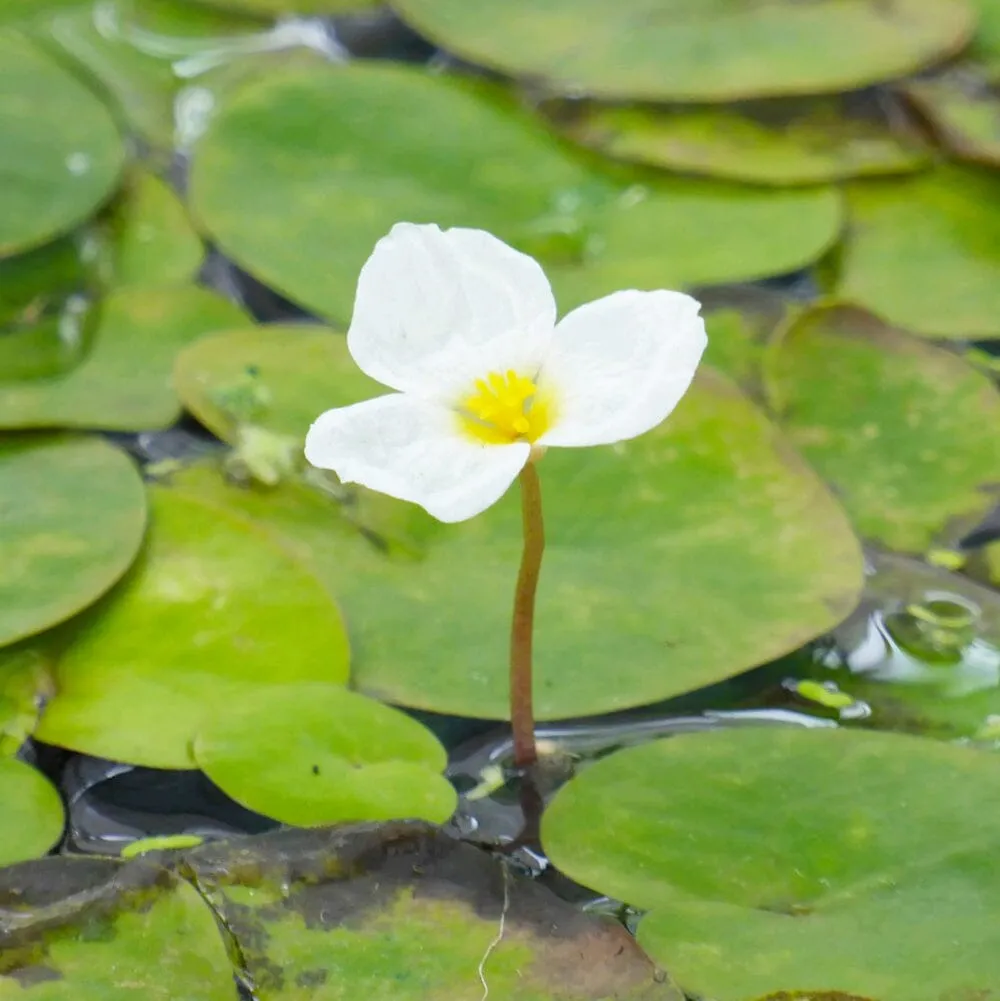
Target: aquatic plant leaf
{"x": 211, "y": 611}
{"x": 154, "y": 240}
{"x": 403, "y": 911}
{"x": 279, "y": 377}
{"x": 311, "y": 755}
{"x": 97, "y": 930}
{"x": 794, "y": 141}
{"x": 123, "y": 383}
{"x": 963, "y": 106}
{"x": 272, "y": 7}
{"x": 901, "y": 429}
{"x": 708, "y": 528}
{"x": 73, "y": 514}
{"x": 689, "y": 50}
{"x": 343, "y": 148}
{"x": 922, "y": 252}
{"x": 796, "y": 859}
{"x": 61, "y": 155}
{"x": 31, "y": 821}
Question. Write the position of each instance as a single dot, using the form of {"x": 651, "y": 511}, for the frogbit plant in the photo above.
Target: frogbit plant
{"x": 464, "y": 328}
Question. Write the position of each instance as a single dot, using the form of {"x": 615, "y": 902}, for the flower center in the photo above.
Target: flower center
{"x": 504, "y": 408}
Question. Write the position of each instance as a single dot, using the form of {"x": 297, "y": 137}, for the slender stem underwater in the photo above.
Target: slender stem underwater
{"x": 522, "y": 715}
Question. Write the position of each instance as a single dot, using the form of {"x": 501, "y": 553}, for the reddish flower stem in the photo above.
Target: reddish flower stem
{"x": 522, "y": 716}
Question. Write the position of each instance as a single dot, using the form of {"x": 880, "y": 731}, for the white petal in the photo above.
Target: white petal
{"x": 436, "y": 310}
{"x": 619, "y": 365}
{"x": 413, "y": 449}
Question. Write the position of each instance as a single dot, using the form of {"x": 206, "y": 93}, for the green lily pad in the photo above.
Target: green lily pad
{"x": 923, "y": 253}
{"x": 740, "y": 321}
{"x": 679, "y": 50}
{"x": 123, "y": 383}
{"x": 25, "y": 682}
{"x": 902, "y": 430}
{"x": 793, "y": 141}
{"x": 403, "y": 911}
{"x": 97, "y": 930}
{"x": 311, "y": 755}
{"x": 31, "y": 821}
{"x": 61, "y": 155}
{"x": 72, "y": 515}
{"x": 213, "y": 610}
{"x": 794, "y": 859}
{"x": 278, "y": 376}
{"x": 154, "y": 241}
{"x": 703, "y": 530}
{"x": 342, "y": 149}
{"x": 964, "y": 109}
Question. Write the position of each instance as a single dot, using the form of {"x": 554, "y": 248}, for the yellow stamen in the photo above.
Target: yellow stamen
{"x": 505, "y": 407}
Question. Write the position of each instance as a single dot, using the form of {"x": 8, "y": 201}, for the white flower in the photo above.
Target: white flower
{"x": 464, "y": 328}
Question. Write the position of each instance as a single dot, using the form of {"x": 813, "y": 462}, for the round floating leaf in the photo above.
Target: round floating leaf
{"x": 688, "y": 50}
{"x": 312, "y": 755}
{"x": 31, "y": 821}
{"x": 123, "y": 383}
{"x": 660, "y": 551}
{"x": 781, "y": 859}
{"x": 72, "y": 514}
{"x": 212, "y": 610}
{"x": 154, "y": 241}
{"x": 964, "y": 109}
{"x": 342, "y": 149}
{"x": 403, "y": 911}
{"x": 924, "y": 252}
{"x": 61, "y": 153}
{"x": 770, "y": 142}
{"x": 278, "y": 377}
{"x": 96, "y": 930}
{"x": 904, "y": 431}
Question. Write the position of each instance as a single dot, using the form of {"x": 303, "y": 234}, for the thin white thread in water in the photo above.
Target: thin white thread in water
{"x": 498, "y": 938}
